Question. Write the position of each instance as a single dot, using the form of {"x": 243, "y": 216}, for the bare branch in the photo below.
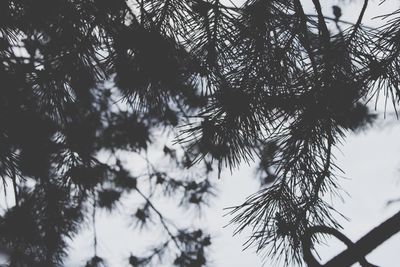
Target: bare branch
{"x": 367, "y": 243}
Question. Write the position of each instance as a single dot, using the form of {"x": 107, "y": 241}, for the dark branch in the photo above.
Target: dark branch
{"x": 322, "y": 24}
{"x": 307, "y": 244}
{"x": 367, "y": 243}
{"x": 303, "y": 25}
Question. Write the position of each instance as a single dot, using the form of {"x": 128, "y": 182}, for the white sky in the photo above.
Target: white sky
{"x": 371, "y": 162}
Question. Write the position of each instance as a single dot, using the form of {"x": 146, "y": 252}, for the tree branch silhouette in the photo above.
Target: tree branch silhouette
{"x": 307, "y": 243}
{"x": 367, "y": 243}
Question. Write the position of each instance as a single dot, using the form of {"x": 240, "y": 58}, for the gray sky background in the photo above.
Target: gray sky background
{"x": 371, "y": 163}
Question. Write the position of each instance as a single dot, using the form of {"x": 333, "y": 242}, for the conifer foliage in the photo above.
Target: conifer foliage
{"x": 83, "y": 81}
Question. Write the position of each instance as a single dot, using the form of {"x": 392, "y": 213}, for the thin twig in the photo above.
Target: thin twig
{"x": 162, "y": 219}
{"x": 341, "y": 21}
{"x": 94, "y": 224}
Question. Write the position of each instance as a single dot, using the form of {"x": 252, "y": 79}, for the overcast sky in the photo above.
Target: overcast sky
{"x": 371, "y": 163}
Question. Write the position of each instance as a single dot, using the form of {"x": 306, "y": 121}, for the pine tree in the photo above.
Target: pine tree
{"x": 83, "y": 81}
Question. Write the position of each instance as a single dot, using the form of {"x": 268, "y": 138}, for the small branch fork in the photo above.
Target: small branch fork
{"x": 161, "y": 217}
